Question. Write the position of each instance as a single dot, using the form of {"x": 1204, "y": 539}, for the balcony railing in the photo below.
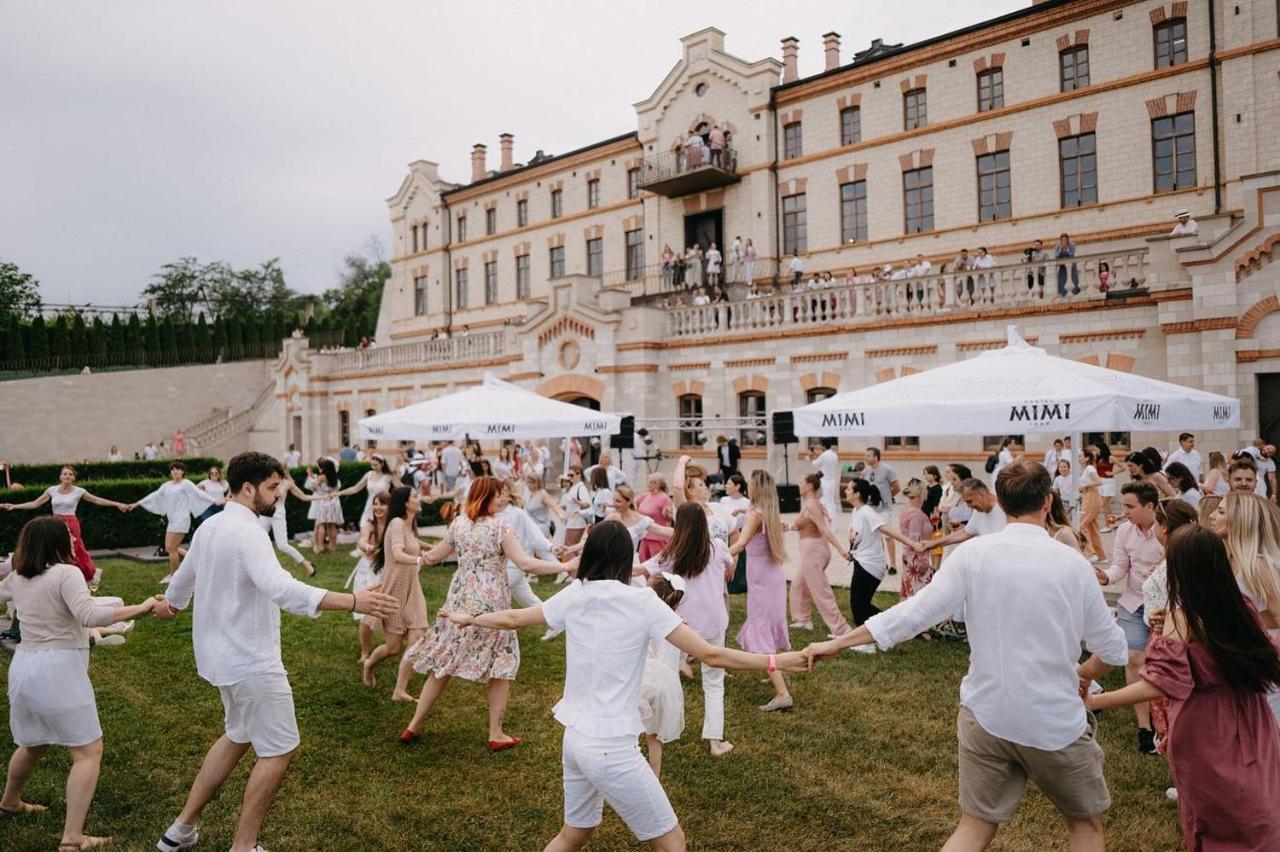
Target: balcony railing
{"x": 657, "y": 278}
{"x": 453, "y": 350}
{"x": 689, "y": 170}
{"x": 943, "y": 294}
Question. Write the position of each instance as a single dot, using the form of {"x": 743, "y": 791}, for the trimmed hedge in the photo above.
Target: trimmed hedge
{"x": 104, "y": 527}
{"x": 98, "y": 471}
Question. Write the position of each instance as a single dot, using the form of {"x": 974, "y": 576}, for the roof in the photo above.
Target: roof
{"x": 882, "y": 51}
{"x": 543, "y": 162}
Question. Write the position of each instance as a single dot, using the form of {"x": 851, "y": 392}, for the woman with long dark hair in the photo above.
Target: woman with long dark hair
{"x": 363, "y": 575}
{"x": 326, "y": 508}
{"x": 1181, "y": 478}
{"x": 608, "y": 624}
{"x": 396, "y": 563}
{"x": 1143, "y": 468}
{"x": 378, "y": 479}
{"x": 51, "y": 700}
{"x": 1215, "y": 664}
{"x": 867, "y": 529}
{"x": 703, "y": 562}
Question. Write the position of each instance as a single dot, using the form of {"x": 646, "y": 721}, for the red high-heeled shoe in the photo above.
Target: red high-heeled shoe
{"x": 408, "y": 737}
{"x": 497, "y": 746}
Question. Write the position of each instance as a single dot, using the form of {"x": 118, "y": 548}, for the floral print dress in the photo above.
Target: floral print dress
{"x": 479, "y": 585}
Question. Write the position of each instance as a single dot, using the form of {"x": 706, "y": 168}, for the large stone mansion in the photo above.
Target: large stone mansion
{"x": 1093, "y": 118}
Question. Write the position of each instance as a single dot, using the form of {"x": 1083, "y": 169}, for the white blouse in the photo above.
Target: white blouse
{"x": 65, "y": 503}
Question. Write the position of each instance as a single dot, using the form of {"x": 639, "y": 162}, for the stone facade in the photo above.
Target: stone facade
{"x": 1203, "y": 311}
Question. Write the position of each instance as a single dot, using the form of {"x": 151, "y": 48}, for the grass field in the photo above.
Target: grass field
{"x": 866, "y": 761}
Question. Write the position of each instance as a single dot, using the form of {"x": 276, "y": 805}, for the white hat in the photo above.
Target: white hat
{"x": 1180, "y": 212}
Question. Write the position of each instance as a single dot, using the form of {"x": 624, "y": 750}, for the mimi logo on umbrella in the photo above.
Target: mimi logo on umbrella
{"x": 1146, "y": 412}
{"x": 1222, "y": 414}
{"x": 500, "y": 428}
{"x": 441, "y": 428}
{"x": 839, "y": 419}
{"x": 595, "y": 425}
{"x": 1039, "y": 411}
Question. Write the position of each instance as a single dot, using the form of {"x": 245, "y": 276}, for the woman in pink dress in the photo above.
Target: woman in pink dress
{"x": 915, "y": 525}
{"x": 656, "y": 505}
{"x": 1215, "y": 665}
{"x": 765, "y": 630}
{"x": 484, "y": 543}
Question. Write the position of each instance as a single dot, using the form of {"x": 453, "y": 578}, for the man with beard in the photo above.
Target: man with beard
{"x": 240, "y": 588}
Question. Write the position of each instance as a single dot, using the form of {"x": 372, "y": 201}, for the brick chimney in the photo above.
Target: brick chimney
{"x": 831, "y": 44}
{"x": 477, "y": 162}
{"x": 505, "y": 141}
{"x": 790, "y": 47}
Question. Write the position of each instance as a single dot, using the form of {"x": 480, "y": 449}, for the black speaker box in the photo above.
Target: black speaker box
{"x": 788, "y": 498}
{"x": 784, "y": 428}
{"x": 626, "y": 439}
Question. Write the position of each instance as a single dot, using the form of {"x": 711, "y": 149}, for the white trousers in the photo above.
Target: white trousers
{"x": 518, "y": 584}
{"x": 278, "y": 526}
{"x": 713, "y": 699}
{"x": 830, "y": 500}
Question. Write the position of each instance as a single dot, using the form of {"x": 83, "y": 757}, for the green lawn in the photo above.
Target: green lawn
{"x": 866, "y": 761}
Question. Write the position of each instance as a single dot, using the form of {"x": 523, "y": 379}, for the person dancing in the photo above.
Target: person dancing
{"x": 326, "y": 507}
{"x": 239, "y": 589}
{"x": 177, "y": 500}
{"x": 66, "y": 497}
{"x": 398, "y": 561}
{"x": 376, "y": 480}
{"x": 816, "y": 540}
{"x": 483, "y": 543}
{"x": 363, "y": 575}
{"x": 657, "y": 506}
{"x": 608, "y": 624}
{"x": 277, "y": 523}
{"x": 51, "y": 701}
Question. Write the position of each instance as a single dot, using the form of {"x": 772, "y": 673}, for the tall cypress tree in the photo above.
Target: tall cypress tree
{"x": 39, "y": 342}
{"x": 203, "y": 349}
{"x": 168, "y": 341}
{"x": 252, "y": 337}
{"x": 220, "y": 338}
{"x": 60, "y": 341}
{"x": 117, "y": 342}
{"x": 99, "y": 342}
{"x": 135, "y": 349}
{"x": 15, "y": 349}
{"x": 235, "y": 337}
{"x": 79, "y": 342}
{"x": 151, "y": 341}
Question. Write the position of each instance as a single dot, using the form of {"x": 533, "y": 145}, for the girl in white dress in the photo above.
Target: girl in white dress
{"x": 376, "y": 480}
{"x": 277, "y": 523}
{"x": 216, "y": 488}
{"x": 178, "y": 500}
{"x": 363, "y": 576}
{"x": 326, "y": 508}
{"x": 51, "y": 700}
{"x": 661, "y": 696}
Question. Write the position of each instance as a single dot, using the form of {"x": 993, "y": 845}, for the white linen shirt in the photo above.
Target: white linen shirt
{"x": 527, "y": 531}
{"x": 239, "y": 589}
{"x": 177, "y": 500}
{"x": 1029, "y": 603}
{"x": 1190, "y": 459}
{"x": 607, "y": 627}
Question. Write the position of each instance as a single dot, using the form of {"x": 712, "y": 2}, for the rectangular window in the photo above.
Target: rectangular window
{"x": 420, "y": 295}
{"x": 491, "y": 282}
{"x": 522, "y": 212}
{"x": 917, "y": 197}
{"x": 1170, "y": 42}
{"x": 460, "y": 289}
{"x": 595, "y": 257}
{"x": 792, "y": 140}
{"x": 1173, "y": 151}
{"x": 557, "y": 262}
{"x": 522, "y": 276}
{"x": 751, "y": 410}
{"x": 462, "y": 227}
{"x": 344, "y": 428}
{"x": 794, "y": 224}
{"x": 991, "y": 443}
{"x": 491, "y": 221}
{"x": 1078, "y": 164}
{"x": 690, "y": 420}
{"x": 633, "y": 183}
{"x": 415, "y": 238}
{"x": 557, "y": 203}
{"x": 902, "y": 442}
{"x": 635, "y": 254}
{"x": 1073, "y": 66}
{"x": 991, "y": 89}
{"x": 995, "y": 196}
{"x": 853, "y": 212}
{"x": 915, "y": 109}
{"x": 593, "y": 194}
{"x": 850, "y": 125}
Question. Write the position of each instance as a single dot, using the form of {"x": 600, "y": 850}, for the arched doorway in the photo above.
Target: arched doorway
{"x": 590, "y": 446}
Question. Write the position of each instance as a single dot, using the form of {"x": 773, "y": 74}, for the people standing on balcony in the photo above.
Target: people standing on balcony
{"x": 986, "y": 281}
{"x": 797, "y": 269}
{"x": 1186, "y": 225}
{"x": 678, "y": 271}
{"x": 1104, "y": 277}
{"x": 668, "y": 266}
{"x": 963, "y": 263}
{"x": 1035, "y": 257}
{"x": 1066, "y": 248}
{"x": 735, "y": 260}
{"x": 749, "y": 259}
{"x": 693, "y": 151}
{"x": 716, "y": 138}
{"x": 713, "y": 265}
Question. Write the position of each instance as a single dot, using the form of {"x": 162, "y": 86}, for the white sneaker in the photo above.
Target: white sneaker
{"x": 863, "y": 649}
{"x": 179, "y": 836}
{"x": 551, "y": 634}
{"x": 109, "y": 640}
{"x": 802, "y": 625}
{"x": 1171, "y": 794}
{"x": 778, "y": 703}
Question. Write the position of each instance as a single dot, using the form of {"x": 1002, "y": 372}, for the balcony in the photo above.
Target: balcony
{"x": 687, "y": 171}
{"x": 449, "y": 351}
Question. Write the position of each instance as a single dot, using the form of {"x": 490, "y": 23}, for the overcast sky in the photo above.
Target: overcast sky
{"x": 139, "y": 131}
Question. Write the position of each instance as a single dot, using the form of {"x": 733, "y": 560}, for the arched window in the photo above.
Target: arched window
{"x": 690, "y": 420}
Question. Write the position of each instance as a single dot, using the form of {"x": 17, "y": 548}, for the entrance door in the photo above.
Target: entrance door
{"x": 590, "y": 450}
{"x": 1269, "y": 407}
{"x": 705, "y": 229}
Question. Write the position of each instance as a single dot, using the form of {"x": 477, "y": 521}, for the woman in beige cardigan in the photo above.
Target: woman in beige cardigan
{"x": 51, "y": 700}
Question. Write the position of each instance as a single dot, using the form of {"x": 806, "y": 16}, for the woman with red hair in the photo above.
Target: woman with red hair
{"x": 484, "y": 542}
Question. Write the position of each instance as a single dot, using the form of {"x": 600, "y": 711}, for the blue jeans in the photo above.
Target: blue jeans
{"x": 1062, "y": 279}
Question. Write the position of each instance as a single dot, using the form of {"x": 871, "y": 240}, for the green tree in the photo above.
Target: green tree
{"x": 249, "y": 293}
{"x": 220, "y": 338}
{"x": 186, "y": 333}
{"x": 99, "y": 342}
{"x": 135, "y": 351}
{"x": 15, "y": 349}
{"x": 252, "y": 336}
{"x": 79, "y": 342}
{"x": 118, "y": 342}
{"x": 235, "y": 337}
{"x": 60, "y": 341}
{"x": 178, "y": 287}
{"x": 168, "y": 341}
{"x": 151, "y": 341}
{"x": 19, "y": 293}
{"x": 203, "y": 347}
{"x": 356, "y": 299}
{"x": 38, "y": 346}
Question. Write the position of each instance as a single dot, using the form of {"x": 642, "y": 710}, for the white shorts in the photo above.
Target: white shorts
{"x": 259, "y": 711}
{"x": 613, "y": 770}
{"x": 179, "y": 523}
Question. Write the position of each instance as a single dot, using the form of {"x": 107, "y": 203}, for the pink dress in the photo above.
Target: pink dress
{"x": 1223, "y": 749}
{"x": 765, "y": 630}
{"x": 479, "y": 585}
{"x": 652, "y": 504}
{"x": 915, "y": 525}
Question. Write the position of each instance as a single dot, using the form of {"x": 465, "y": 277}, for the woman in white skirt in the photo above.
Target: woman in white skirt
{"x": 51, "y": 700}
{"x": 363, "y": 575}
{"x": 608, "y": 624}
{"x": 326, "y": 508}
{"x": 377, "y": 480}
{"x": 661, "y": 696}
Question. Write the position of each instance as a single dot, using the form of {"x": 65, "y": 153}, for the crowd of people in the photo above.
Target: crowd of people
{"x": 647, "y": 572}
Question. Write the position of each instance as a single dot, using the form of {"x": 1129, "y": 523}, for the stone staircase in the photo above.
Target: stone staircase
{"x": 221, "y": 426}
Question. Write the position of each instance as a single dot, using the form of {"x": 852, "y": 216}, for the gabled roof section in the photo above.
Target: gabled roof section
{"x": 423, "y": 176}
{"x": 704, "y": 50}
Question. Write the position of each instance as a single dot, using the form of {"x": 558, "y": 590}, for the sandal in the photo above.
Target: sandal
{"x": 23, "y": 809}
{"x": 86, "y": 842}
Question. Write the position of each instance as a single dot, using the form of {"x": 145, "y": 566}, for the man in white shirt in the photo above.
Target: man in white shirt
{"x": 885, "y": 479}
{"x": 1263, "y": 456}
{"x": 1059, "y": 453}
{"x": 1187, "y": 454}
{"x": 1031, "y": 602}
{"x": 797, "y": 269}
{"x": 921, "y": 267}
{"x": 1186, "y": 225}
{"x": 828, "y": 464}
{"x": 292, "y": 458}
{"x": 240, "y": 588}
{"x": 451, "y": 464}
{"x": 988, "y": 517}
{"x": 149, "y": 452}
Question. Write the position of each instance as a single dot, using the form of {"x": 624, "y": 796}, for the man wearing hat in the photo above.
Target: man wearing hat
{"x": 1186, "y": 225}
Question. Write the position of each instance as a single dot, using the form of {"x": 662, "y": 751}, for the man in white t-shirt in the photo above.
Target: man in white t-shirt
{"x": 292, "y": 458}
{"x": 1187, "y": 454}
{"x": 450, "y": 464}
{"x": 149, "y": 452}
{"x": 987, "y": 517}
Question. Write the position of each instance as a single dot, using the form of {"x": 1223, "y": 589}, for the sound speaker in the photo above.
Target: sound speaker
{"x": 626, "y": 439}
{"x": 784, "y": 428}
{"x": 788, "y": 498}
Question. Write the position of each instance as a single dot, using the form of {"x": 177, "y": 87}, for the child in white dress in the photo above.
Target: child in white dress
{"x": 661, "y": 701}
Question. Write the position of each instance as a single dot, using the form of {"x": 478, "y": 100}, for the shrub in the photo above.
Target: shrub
{"x": 96, "y": 471}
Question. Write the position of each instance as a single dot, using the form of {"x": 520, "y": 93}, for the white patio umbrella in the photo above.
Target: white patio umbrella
{"x": 492, "y": 409}
{"x": 1016, "y": 390}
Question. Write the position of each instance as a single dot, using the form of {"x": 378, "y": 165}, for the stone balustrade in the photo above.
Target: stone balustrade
{"x": 453, "y": 350}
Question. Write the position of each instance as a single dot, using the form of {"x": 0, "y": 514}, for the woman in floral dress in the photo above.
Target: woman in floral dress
{"x": 915, "y": 525}
{"x": 484, "y": 543}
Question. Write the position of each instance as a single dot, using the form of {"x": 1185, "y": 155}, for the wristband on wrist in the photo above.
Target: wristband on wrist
{"x": 353, "y": 602}
{"x": 773, "y": 663}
